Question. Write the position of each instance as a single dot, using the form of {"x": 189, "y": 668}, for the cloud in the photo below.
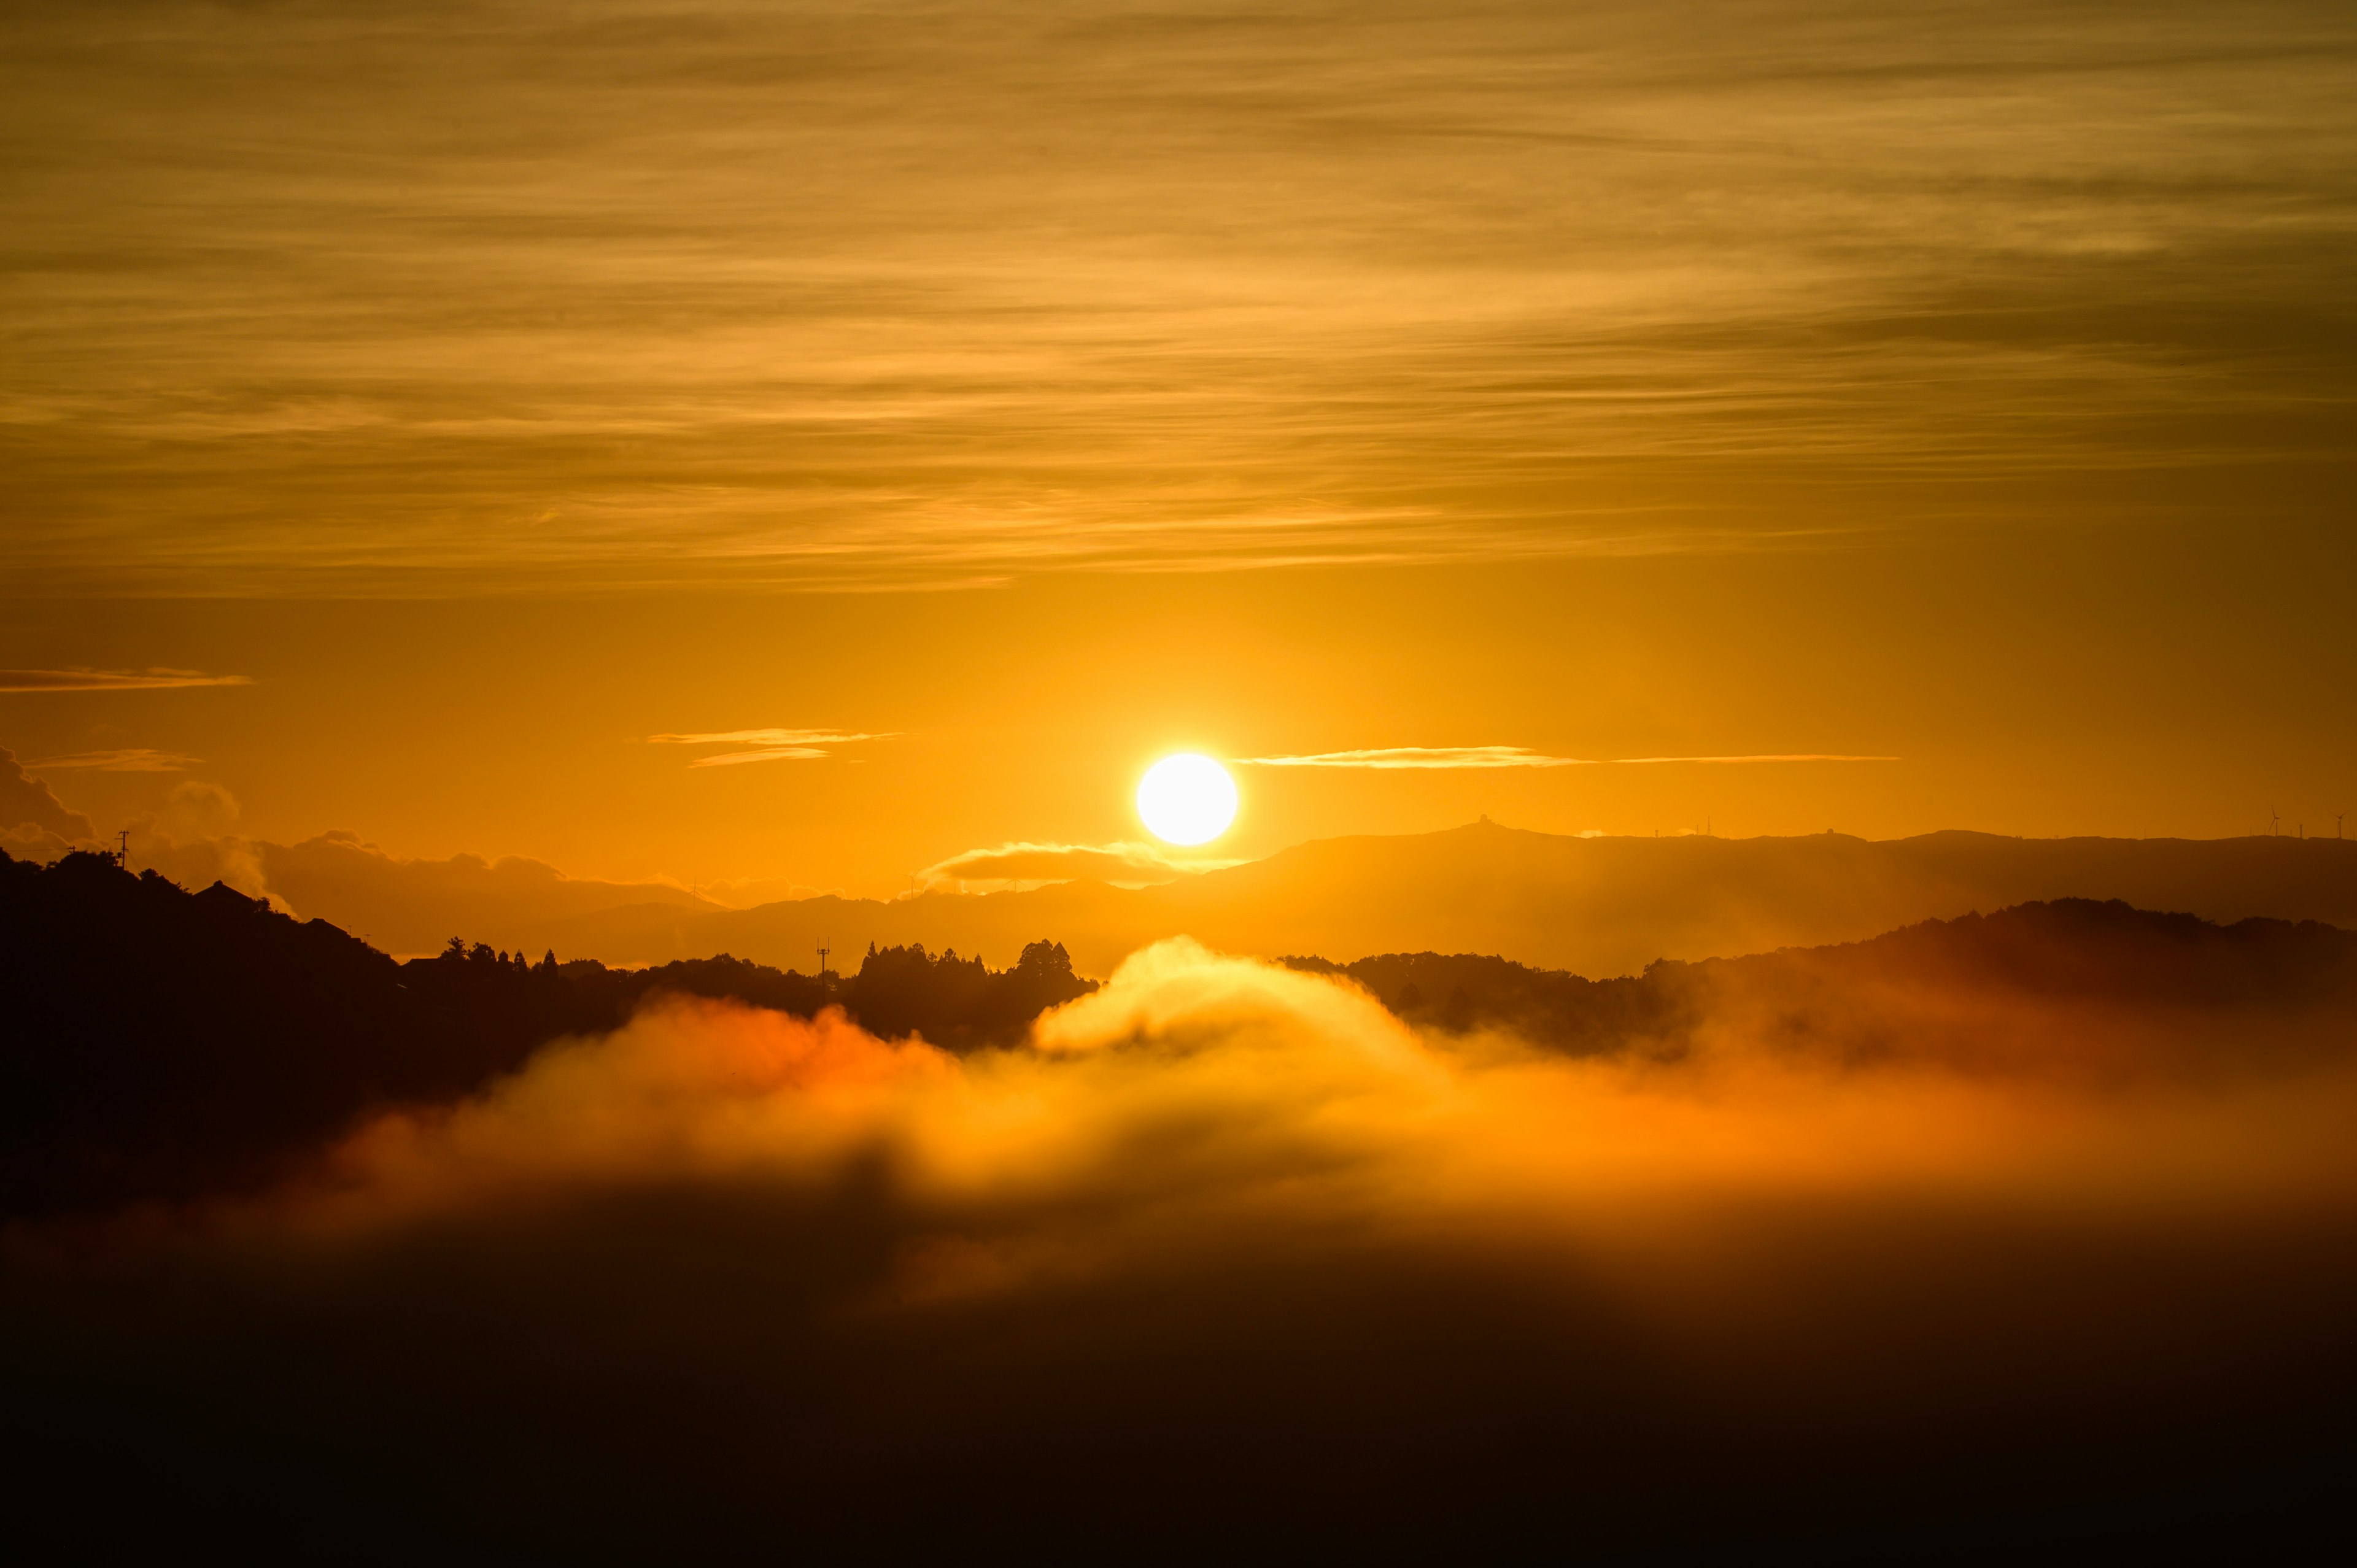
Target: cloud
{"x": 1421, "y": 756}
{"x": 191, "y": 840}
{"x": 774, "y": 745}
{"x": 768, "y": 738}
{"x": 1132, "y": 864}
{"x": 1775, "y": 757}
{"x": 26, "y": 800}
{"x": 772, "y": 754}
{"x": 887, "y": 307}
{"x": 136, "y": 760}
{"x": 27, "y": 842}
{"x": 152, "y": 680}
{"x": 1197, "y": 1080}
{"x": 1437, "y": 757}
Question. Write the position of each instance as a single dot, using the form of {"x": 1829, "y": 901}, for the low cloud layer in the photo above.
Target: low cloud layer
{"x": 1197, "y": 1080}
{"x": 1234, "y": 1242}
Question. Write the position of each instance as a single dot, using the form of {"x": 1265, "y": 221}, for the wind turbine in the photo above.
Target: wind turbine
{"x": 2275, "y": 823}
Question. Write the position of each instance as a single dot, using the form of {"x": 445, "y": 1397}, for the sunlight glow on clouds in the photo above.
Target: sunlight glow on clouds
{"x": 138, "y": 759}
{"x": 772, "y": 745}
{"x": 1196, "y": 1086}
{"x": 1417, "y": 756}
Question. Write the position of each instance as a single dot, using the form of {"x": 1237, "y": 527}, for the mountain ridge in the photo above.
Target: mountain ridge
{"x": 1595, "y": 905}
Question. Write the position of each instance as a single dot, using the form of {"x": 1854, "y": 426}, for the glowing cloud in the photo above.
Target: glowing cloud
{"x": 1515, "y": 756}
{"x": 138, "y": 759}
{"x": 770, "y": 745}
{"x": 1194, "y": 1083}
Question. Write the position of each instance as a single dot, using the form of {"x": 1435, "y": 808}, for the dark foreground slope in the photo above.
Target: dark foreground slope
{"x": 161, "y": 1043}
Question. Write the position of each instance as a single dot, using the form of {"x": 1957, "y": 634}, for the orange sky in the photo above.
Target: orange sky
{"x": 1040, "y": 389}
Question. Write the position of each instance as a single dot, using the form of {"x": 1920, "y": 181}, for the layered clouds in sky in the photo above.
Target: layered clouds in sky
{"x": 465, "y": 296}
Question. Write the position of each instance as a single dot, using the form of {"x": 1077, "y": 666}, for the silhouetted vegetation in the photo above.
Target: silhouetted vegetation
{"x": 1954, "y": 990}
{"x": 161, "y": 1041}
{"x": 956, "y": 1001}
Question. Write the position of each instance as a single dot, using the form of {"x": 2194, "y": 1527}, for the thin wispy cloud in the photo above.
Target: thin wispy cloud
{"x": 1772, "y": 757}
{"x": 1129, "y": 863}
{"x": 138, "y": 759}
{"x": 771, "y": 754}
{"x": 768, "y": 745}
{"x": 1449, "y": 756}
{"x": 154, "y": 680}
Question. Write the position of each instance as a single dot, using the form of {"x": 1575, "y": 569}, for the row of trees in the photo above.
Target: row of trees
{"x": 959, "y": 1002}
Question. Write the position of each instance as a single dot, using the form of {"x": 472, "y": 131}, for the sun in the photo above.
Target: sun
{"x": 1187, "y": 799}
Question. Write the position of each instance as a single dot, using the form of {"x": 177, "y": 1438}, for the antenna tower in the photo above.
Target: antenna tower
{"x": 122, "y": 846}
{"x": 824, "y": 952}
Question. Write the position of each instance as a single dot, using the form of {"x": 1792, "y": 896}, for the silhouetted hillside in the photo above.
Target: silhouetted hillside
{"x": 2072, "y": 985}
{"x": 160, "y": 1041}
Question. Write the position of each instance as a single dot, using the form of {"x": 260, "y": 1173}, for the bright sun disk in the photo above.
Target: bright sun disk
{"x": 1187, "y": 799}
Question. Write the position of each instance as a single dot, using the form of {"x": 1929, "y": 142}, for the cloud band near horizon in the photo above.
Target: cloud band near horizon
{"x": 1447, "y": 756}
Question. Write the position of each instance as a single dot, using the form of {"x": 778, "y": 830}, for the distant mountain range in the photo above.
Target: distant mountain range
{"x": 1593, "y": 906}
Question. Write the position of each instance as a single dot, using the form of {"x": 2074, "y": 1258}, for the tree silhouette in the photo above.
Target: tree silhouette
{"x": 162, "y": 1042}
